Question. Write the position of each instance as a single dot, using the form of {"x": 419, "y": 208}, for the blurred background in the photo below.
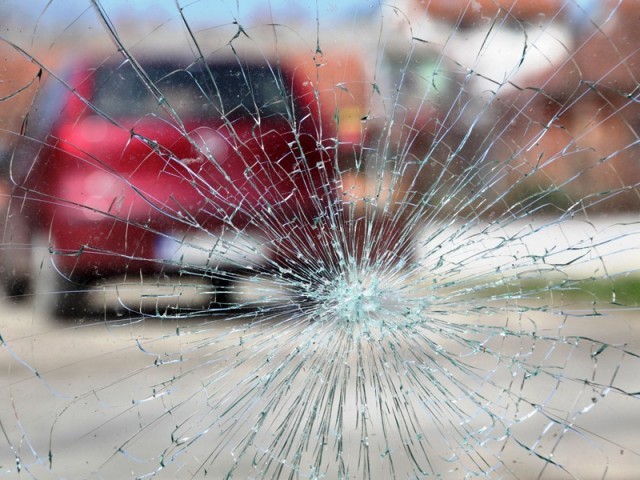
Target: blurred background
{"x": 557, "y": 77}
{"x": 446, "y": 304}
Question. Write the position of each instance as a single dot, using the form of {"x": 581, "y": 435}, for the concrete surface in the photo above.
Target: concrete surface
{"x": 80, "y": 391}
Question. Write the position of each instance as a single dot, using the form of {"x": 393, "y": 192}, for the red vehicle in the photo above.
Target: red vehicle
{"x": 165, "y": 167}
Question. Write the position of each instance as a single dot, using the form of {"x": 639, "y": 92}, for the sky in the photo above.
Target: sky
{"x": 206, "y": 10}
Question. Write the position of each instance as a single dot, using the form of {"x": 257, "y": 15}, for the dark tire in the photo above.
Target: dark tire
{"x": 16, "y": 255}
{"x": 69, "y": 300}
{"x": 18, "y": 289}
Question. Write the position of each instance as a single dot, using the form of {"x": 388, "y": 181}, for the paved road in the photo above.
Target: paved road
{"x": 71, "y": 386}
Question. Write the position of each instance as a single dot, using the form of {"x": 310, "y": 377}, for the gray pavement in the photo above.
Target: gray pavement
{"x": 68, "y": 388}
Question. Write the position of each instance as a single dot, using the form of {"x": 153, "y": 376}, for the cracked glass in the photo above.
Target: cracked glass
{"x": 314, "y": 239}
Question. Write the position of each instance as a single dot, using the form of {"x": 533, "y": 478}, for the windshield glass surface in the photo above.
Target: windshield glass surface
{"x": 196, "y": 92}
{"x": 320, "y": 239}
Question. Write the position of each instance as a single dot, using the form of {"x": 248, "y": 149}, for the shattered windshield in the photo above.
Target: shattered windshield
{"x": 312, "y": 239}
